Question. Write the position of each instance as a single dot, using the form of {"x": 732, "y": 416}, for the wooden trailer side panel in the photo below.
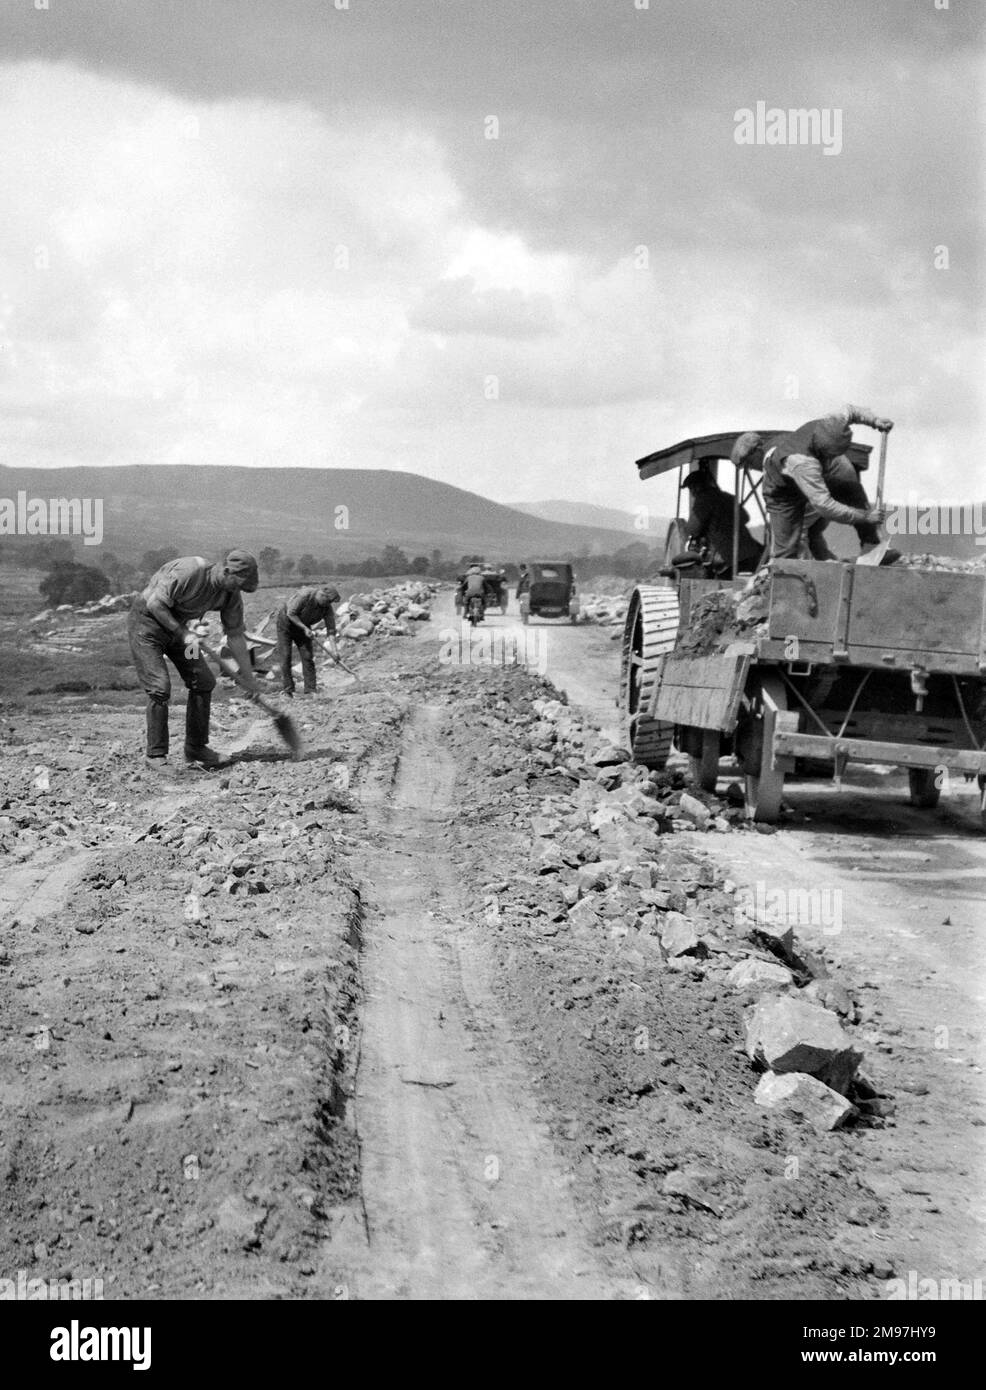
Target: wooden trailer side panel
{"x": 703, "y": 691}
{"x": 810, "y": 600}
{"x": 878, "y": 616}
{"x": 917, "y": 610}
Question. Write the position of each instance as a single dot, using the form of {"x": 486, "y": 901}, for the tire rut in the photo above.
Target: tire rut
{"x": 463, "y": 1194}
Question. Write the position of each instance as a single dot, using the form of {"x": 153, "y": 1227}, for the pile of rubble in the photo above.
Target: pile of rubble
{"x": 96, "y": 608}
{"x": 726, "y": 616}
{"x": 385, "y": 611}
{"x": 941, "y": 562}
{"x": 604, "y": 844}
{"x": 608, "y": 610}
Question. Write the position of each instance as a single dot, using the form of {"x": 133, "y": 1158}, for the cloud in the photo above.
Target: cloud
{"x": 456, "y": 306}
{"x": 196, "y": 282}
{"x": 283, "y": 235}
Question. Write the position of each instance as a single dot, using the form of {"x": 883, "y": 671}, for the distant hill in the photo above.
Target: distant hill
{"x": 332, "y": 512}
{"x": 586, "y": 514}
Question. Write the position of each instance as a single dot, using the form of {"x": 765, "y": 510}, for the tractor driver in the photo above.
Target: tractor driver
{"x": 710, "y": 526}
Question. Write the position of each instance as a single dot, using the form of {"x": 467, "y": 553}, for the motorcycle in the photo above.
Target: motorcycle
{"x": 475, "y": 609}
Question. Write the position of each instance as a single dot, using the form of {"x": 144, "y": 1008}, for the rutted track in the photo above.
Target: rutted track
{"x": 463, "y": 1193}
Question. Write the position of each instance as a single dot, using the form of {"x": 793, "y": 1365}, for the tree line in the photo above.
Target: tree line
{"x": 68, "y": 580}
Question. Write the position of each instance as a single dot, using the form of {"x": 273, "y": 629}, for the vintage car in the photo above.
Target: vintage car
{"x": 549, "y": 592}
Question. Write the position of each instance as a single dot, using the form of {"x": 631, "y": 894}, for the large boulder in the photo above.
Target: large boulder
{"x": 800, "y": 1094}
{"x": 759, "y": 975}
{"x": 679, "y": 935}
{"x": 789, "y": 1035}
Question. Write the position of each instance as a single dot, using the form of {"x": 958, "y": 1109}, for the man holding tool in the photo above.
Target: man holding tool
{"x": 295, "y": 621}
{"x": 809, "y": 467}
{"x": 160, "y": 625}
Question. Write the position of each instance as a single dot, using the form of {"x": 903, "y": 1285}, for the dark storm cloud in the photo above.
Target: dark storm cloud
{"x": 615, "y": 124}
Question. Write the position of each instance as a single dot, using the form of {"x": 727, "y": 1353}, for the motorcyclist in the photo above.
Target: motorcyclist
{"x": 473, "y": 586}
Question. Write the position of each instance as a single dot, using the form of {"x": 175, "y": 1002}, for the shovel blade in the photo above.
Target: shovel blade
{"x": 874, "y": 556}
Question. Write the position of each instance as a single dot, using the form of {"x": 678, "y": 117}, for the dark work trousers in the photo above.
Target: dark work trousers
{"x": 288, "y": 634}
{"x": 788, "y": 516}
{"x": 150, "y": 643}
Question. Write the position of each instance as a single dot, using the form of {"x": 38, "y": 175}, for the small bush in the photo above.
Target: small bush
{"x": 73, "y": 584}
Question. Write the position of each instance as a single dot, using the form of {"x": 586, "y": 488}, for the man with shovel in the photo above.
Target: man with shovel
{"x": 809, "y": 467}
{"x": 295, "y": 621}
{"x": 160, "y": 625}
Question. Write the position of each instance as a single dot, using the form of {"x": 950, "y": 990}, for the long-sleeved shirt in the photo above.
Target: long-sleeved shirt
{"x": 796, "y": 464}
{"x": 306, "y": 608}
{"x": 188, "y": 588}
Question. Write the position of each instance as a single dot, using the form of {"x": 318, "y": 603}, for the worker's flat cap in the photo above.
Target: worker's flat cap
{"x": 326, "y": 594}
{"x": 244, "y": 566}
{"x": 746, "y": 447}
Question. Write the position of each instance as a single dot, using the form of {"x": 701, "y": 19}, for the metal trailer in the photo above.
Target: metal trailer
{"x": 853, "y": 664}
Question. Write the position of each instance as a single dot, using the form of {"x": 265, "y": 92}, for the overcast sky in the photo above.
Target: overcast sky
{"x": 276, "y": 232}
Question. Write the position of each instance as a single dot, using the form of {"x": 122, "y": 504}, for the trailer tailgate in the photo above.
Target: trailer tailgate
{"x": 703, "y": 691}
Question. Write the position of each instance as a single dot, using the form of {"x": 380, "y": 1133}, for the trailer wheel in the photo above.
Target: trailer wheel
{"x": 924, "y": 789}
{"x": 648, "y": 636}
{"x": 705, "y": 768}
{"x": 764, "y": 782}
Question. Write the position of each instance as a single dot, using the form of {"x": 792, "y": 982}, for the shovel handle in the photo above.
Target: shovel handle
{"x": 882, "y": 469}
{"x": 230, "y": 668}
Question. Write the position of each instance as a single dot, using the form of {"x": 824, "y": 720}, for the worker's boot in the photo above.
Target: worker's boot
{"x": 157, "y": 729}
{"x": 160, "y": 764}
{"x": 204, "y": 757}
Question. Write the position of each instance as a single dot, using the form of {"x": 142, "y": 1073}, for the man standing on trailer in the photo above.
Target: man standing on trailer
{"x": 809, "y": 467}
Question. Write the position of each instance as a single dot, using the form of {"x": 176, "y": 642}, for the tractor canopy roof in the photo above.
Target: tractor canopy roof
{"x": 719, "y": 446}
